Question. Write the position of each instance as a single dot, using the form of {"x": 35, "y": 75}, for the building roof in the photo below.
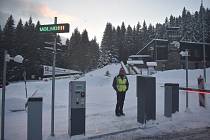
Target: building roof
{"x": 198, "y": 43}
{"x": 152, "y": 64}
{"x": 135, "y": 62}
{"x": 172, "y": 28}
{"x": 148, "y": 44}
{"x": 138, "y": 56}
{"x": 165, "y": 40}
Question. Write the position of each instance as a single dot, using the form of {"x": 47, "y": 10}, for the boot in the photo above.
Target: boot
{"x": 122, "y": 114}
{"x": 117, "y": 114}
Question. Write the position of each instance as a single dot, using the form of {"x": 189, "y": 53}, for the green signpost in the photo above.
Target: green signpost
{"x": 54, "y": 28}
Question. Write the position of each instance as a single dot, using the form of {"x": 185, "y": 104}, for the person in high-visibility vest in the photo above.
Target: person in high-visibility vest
{"x": 120, "y": 84}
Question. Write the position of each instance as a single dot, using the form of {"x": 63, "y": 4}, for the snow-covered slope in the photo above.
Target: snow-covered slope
{"x": 100, "y": 105}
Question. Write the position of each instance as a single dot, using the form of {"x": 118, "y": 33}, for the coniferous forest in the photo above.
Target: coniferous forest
{"x": 84, "y": 54}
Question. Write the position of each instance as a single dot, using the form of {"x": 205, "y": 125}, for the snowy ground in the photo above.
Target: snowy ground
{"x": 100, "y": 105}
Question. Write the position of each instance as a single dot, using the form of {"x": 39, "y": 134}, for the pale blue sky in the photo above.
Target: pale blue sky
{"x": 94, "y": 14}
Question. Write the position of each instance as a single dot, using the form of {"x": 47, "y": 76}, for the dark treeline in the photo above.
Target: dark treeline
{"x": 121, "y": 41}
{"x": 80, "y": 53}
{"x": 77, "y": 53}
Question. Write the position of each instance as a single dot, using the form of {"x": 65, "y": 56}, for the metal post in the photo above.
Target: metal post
{"x": 186, "y": 62}
{"x": 24, "y": 76}
{"x": 34, "y": 118}
{"x": 53, "y": 82}
{"x": 201, "y": 96}
{"x": 204, "y": 48}
{"x": 146, "y": 99}
{"x": 3, "y": 95}
{"x": 168, "y": 100}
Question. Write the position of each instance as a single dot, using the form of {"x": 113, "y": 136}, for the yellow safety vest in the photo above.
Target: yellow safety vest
{"x": 121, "y": 84}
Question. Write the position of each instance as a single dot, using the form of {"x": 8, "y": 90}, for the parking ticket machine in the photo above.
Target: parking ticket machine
{"x": 77, "y": 95}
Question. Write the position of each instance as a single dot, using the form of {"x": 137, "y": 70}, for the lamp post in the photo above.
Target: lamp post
{"x": 186, "y": 54}
{"x": 7, "y": 58}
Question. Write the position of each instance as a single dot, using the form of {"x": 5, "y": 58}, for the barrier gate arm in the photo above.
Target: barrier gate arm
{"x": 200, "y": 91}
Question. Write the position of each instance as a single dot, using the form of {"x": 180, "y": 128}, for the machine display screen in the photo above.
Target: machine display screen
{"x": 79, "y": 87}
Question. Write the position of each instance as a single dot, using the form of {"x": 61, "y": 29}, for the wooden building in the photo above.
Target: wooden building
{"x": 165, "y": 53}
{"x": 196, "y": 53}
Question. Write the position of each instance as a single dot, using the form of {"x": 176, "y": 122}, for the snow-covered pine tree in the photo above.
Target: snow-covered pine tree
{"x": 19, "y": 33}
{"x": 129, "y": 41}
{"x": 160, "y": 31}
{"x": 172, "y": 21}
{"x": 118, "y": 43}
{"x": 208, "y": 25}
{"x": 73, "y": 50}
{"x": 94, "y": 54}
{"x": 145, "y": 34}
{"x": 184, "y": 22}
{"x": 83, "y": 56}
{"x": 203, "y": 22}
{"x": 121, "y": 39}
{"x": 113, "y": 48}
{"x": 151, "y": 32}
{"x": 8, "y": 43}
{"x": 66, "y": 55}
{"x": 106, "y": 44}
{"x": 138, "y": 38}
{"x": 196, "y": 27}
{"x": 9, "y": 36}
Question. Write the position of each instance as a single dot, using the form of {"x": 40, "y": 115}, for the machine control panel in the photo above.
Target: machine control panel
{"x": 77, "y": 94}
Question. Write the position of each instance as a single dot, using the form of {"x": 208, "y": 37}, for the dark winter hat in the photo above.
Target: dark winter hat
{"x": 122, "y": 71}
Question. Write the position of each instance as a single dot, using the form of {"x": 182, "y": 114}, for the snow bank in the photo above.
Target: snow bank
{"x": 101, "y": 100}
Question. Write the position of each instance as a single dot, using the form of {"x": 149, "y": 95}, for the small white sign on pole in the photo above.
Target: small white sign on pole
{"x": 184, "y": 53}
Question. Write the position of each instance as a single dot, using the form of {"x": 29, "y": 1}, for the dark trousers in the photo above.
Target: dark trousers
{"x": 120, "y": 102}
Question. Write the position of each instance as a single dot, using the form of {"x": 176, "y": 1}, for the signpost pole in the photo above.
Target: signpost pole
{"x": 186, "y": 59}
{"x": 53, "y": 83}
{"x": 186, "y": 55}
{"x": 204, "y": 48}
{"x": 54, "y": 28}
